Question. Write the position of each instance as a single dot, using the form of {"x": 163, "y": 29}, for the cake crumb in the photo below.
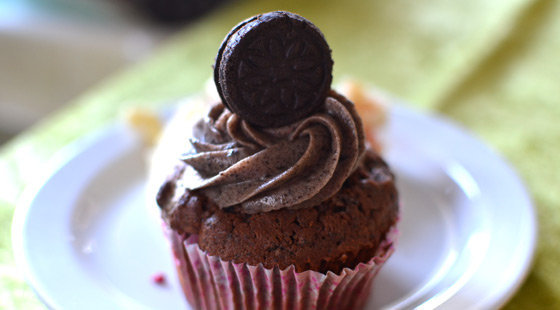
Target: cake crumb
{"x": 145, "y": 123}
{"x": 371, "y": 109}
{"x": 159, "y": 278}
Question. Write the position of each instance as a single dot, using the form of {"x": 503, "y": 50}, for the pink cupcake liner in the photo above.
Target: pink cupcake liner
{"x": 212, "y": 283}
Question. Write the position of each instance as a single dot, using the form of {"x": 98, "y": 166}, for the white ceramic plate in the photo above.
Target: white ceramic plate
{"x": 86, "y": 241}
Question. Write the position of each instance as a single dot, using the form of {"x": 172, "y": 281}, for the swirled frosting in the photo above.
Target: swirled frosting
{"x": 265, "y": 169}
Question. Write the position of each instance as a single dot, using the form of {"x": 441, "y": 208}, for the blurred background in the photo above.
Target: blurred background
{"x": 52, "y": 50}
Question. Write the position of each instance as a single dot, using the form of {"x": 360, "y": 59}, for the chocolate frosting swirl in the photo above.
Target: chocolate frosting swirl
{"x": 265, "y": 169}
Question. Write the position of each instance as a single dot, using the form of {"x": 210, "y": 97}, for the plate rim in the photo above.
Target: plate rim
{"x": 25, "y": 201}
{"x": 526, "y": 264}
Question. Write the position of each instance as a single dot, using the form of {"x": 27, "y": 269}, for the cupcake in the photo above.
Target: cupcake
{"x": 275, "y": 198}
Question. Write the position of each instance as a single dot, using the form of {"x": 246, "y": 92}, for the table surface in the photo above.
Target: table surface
{"x": 490, "y": 65}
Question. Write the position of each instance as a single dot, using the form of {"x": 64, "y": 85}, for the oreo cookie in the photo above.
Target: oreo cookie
{"x": 273, "y": 69}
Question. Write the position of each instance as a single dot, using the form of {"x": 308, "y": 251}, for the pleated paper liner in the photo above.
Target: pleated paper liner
{"x": 211, "y": 283}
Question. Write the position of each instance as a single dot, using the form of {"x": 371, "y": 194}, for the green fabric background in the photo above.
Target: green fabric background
{"x": 492, "y": 66}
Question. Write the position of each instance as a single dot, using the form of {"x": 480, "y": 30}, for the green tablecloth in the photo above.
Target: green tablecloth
{"x": 493, "y": 66}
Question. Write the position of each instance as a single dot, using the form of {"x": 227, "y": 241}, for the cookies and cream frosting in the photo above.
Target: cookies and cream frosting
{"x": 265, "y": 169}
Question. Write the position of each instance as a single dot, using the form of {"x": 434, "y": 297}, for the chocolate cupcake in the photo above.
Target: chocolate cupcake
{"x": 277, "y": 200}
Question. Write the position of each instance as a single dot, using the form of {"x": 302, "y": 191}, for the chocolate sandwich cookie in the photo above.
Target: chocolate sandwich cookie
{"x": 273, "y": 69}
